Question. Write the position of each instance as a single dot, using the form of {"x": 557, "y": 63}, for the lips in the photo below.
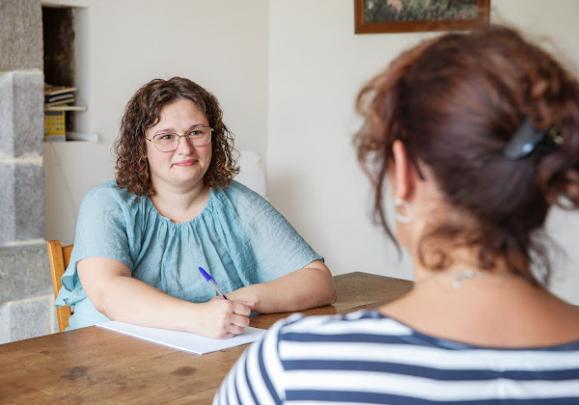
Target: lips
{"x": 184, "y": 163}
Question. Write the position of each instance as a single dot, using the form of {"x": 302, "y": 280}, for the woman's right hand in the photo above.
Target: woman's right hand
{"x": 221, "y": 318}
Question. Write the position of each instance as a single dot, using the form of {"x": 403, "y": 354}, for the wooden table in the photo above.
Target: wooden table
{"x": 93, "y": 365}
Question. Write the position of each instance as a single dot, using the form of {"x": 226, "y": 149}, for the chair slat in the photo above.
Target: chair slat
{"x": 59, "y": 257}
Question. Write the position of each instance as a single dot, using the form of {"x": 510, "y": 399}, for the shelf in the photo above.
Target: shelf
{"x": 66, "y": 3}
{"x": 72, "y": 136}
{"x": 65, "y": 108}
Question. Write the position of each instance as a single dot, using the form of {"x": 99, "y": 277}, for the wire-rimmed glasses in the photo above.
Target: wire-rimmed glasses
{"x": 200, "y": 135}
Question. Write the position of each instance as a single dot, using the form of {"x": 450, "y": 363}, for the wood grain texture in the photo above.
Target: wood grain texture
{"x": 58, "y": 258}
{"x": 94, "y": 365}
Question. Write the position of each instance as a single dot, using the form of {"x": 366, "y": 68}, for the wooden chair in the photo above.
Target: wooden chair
{"x": 59, "y": 256}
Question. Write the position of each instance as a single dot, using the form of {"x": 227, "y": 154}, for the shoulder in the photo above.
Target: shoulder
{"x": 355, "y": 325}
{"x": 242, "y": 198}
{"x": 240, "y": 192}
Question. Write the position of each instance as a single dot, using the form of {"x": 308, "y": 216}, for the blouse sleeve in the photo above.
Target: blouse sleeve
{"x": 277, "y": 247}
{"x": 258, "y": 376}
{"x": 101, "y": 231}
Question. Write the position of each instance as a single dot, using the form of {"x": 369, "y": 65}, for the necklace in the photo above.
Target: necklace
{"x": 458, "y": 277}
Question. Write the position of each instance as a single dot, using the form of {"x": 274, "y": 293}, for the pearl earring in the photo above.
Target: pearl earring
{"x": 404, "y": 211}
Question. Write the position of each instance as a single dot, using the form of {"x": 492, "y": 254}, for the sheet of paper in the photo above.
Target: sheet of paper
{"x": 183, "y": 340}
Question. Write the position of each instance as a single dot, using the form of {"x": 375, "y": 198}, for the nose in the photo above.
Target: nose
{"x": 184, "y": 146}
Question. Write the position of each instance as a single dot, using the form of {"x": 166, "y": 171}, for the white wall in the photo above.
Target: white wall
{"x": 222, "y": 45}
{"x": 316, "y": 67}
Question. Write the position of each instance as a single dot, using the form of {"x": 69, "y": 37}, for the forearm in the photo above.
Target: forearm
{"x": 301, "y": 289}
{"x": 112, "y": 290}
{"x": 130, "y": 300}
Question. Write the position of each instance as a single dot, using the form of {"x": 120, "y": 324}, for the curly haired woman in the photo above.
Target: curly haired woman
{"x": 173, "y": 208}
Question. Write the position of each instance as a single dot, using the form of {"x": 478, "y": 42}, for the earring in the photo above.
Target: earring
{"x": 404, "y": 211}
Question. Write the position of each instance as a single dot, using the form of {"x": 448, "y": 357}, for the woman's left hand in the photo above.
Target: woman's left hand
{"x": 305, "y": 288}
{"x": 245, "y": 296}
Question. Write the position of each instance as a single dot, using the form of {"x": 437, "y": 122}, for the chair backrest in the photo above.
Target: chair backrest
{"x": 59, "y": 256}
{"x": 251, "y": 171}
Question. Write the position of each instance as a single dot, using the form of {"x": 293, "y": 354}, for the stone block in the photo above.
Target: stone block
{"x": 24, "y": 272}
{"x": 21, "y": 113}
{"x": 6, "y": 114}
{"x": 5, "y": 328}
{"x": 8, "y": 223}
{"x": 25, "y": 319}
{"x": 21, "y": 201}
{"x": 28, "y": 112}
{"x": 21, "y": 34}
{"x": 29, "y": 201}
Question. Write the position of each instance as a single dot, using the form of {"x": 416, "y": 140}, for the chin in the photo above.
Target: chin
{"x": 189, "y": 181}
{"x": 189, "y": 178}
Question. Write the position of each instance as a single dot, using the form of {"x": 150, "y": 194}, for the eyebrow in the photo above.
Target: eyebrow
{"x": 172, "y": 130}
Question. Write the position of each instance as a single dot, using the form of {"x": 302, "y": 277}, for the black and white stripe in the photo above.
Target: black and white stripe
{"x": 367, "y": 358}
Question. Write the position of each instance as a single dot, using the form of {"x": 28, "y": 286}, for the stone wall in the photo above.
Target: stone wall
{"x": 26, "y": 308}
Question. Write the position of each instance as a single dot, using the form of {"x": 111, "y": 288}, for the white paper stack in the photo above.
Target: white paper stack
{"x": 183, "y": 340}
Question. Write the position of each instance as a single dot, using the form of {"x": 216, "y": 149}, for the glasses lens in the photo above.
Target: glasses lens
{"x": 166, "y": 141}
{"x": 200, "y": 135}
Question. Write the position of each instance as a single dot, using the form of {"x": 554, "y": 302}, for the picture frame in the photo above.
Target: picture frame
{"x": 388, "y": 16}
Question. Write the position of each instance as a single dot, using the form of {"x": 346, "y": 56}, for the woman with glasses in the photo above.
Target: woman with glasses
{"x": 174, "y": 208}
{"x": 477, "y": 136}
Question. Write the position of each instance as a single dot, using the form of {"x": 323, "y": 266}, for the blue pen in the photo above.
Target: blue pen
{"x": 211, "y": 280}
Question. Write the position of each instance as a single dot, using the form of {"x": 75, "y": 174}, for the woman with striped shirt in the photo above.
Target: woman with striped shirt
{"x": 477, "y": 136}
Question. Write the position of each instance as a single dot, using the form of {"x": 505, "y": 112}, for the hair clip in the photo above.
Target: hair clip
{"x": 527, "y": 140}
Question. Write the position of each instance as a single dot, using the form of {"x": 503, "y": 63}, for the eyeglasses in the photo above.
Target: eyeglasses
{"x": 169, "y": 141}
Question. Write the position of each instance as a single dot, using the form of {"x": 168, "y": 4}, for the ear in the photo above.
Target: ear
{"x": 402, "y": 176}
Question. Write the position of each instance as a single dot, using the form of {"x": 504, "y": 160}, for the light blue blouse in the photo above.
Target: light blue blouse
{"x": 239, "y": 237}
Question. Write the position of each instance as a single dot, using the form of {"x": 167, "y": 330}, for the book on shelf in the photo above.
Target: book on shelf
{"x": 50, "y": 90}
{"x": 64, "y": 107}
{"x": 57, "y": 103}
{"x": 59, "y": 95}
{"x": 54, "y": 125}
{"x": 60, "y": 99}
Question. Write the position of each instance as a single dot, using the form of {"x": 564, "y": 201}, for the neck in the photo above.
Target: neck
{"x": 464, "y": 268}
{"x": 459, "y": 259}
{"x": 180, "y": 205}
{"x": 457, "y": 278}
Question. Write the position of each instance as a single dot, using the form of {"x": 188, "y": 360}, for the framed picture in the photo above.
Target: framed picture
{"x": 375, "y": 16}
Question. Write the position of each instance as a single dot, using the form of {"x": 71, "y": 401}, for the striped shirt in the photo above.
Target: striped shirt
{"x": 368, "y": 358}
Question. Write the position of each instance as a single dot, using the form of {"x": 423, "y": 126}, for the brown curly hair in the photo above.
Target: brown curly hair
{"x": 456, "y": 101}
{"x": 143, "y": 111}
